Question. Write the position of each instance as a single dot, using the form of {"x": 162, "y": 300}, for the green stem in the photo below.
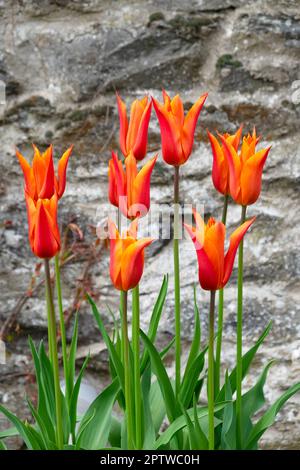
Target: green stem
{"x": 239, "y": 339}
{"x": 211, "y": 405}
{"x": 220, "y": 315}
{"x": 53, "y": 355}
{"x": 62, "y": 329}
{"x": 177, "y": 281}
{"x": 136, "y": 361}
{"x": 127, "y": 372}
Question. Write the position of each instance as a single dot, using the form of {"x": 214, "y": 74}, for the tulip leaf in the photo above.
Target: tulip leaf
{"x": 110, "y": 346}
{"x": 72, "y": 355}
{"x": 149, "y": 430}
{"x": 163, "y": 379}
{"x": 195, "y": 346}
{"x": 2, "y": 445}
{"x": 189, "y": 382}
{"x": 269, "y": 416}
{"x": 95, "y": 425}
{"x": 74, "y": 397}
{"x": 22, "y": 429}
{"x": 246, "y": 362}
{"x": 155, "y": 318}
{"x": 114, "y": 437}
{"x": 180, "y": 423}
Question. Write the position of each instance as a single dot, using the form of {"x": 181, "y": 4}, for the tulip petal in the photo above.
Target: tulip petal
{"x": 214, "y": 248}
{"x": 29, "y": 180}
{"x": 189, "y": 126}
{"x": 140, "y": 145}
{"x": 170, "y": 135}
{"x": 251, "y": 176}
{"x": 123, "y": 124}
{"x": 62, "y": 170}
{"x": 132, "y": 264}
{"x": 136, "y": 113}
{"x": 220, "y": 170}
{"x": 141, "y": 190}
{"x": 178, "y": 111}
{"x": 235, "y": 240}
{"x": 45, "y": 243}
{"x": 234, "y": 165}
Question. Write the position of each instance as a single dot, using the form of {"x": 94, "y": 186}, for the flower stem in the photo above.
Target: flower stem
{"x": 220, "y": 315}
{"x": 136, "y": 361}
{"x": 62, "y": 328}
{"x": 177, "y": 281}
{"x": 239, "y": 338}
{"x": 53, "y": 355}
{"x": 127, "y": 371}
{"x": 211, "y": 406}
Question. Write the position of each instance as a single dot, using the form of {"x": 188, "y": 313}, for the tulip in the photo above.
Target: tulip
{"x": 44, "y": 235}
{"x": 129, "y": 189}
{"x": 245, "y": 169}
{"x": 215, "y": 267}
{"x": 220, "y": 170}
{"x": 133, "y": 136}
{"x": 40, "y": 179}
{"x": 177, "y": 131}
{"x": 126, "y": 256}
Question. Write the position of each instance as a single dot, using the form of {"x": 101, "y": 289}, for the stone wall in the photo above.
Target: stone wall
{"x": 61, "y": 62}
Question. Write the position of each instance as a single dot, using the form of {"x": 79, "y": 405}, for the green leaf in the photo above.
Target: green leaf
{"x": 190, "y": 381}
{"x": 246, "y": 362}
{"x": 195, "y": 346}
{"x": 96, "y": 432}
{"x": 9, "y": 432}
{"x": 22, "y": 429}
{"x": 111, "y": 348}
{"x": 115, "y": 433}
{"x": 202, "y": 440}
{"x": 157, "y": 405}
{"x": 74, "y": 397}
{"x": 72, "y": 355}
{"x": 165, "y": 385}
{"x": 228, "y": 431}
{"x": 41, "y": 425}
{"x": 2, "y": 445}
{"x": 269, "y": 416}
{"x": 180, "y": 423}
{"x": 155, "y": 318}
{"x": 149, "y": 430}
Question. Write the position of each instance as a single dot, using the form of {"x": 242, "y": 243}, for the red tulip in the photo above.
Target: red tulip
{"x": 126, "y": 256}
{"x": 129, "y": 189}
{"x": 177, "y": 132}
{"x": 40, "y": 179}
{"x": 44, "y": 235}
{"x": 245, "y": 169}
{"x": 215, "y": 267}
{"x": 220, "y": 170}
{"x": 133, "y": 136}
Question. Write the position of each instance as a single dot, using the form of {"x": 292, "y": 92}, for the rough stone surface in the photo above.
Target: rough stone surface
{"x": 61, "y": 62}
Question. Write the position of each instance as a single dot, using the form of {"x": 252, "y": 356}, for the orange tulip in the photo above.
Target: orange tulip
{"x": 126, "y": 256}
{"x": 40, "y": 179}
{"x": 220, "y": 170}
{"x": 133, "y": 136}
{"x": 245, "y": 169}
{"x": 177, "y": 131}
{"x": 129, "y": 189}
{"x": 44, "y": 235}
{"x": 215, "y": 267}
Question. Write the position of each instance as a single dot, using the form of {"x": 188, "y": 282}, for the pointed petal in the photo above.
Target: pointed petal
{"x": 140, "y": 145}
{"x": 178, "y": 110}
{"x": 131, "y": 172}
{"x": 136, "y": 113}
{"x": 29, "y": 180}
{"x": 133, "y": 263}
{"x": 251, "y": 176}
{"x": 31, "y": 217}
{"x": 45, "y": 243}
{"x": 220, "y": 170}
{"x": 170, "y": 136}
{"x": 141, "y": 190}
{"x": 214, "y": 248}
{"x": 190, "y": 126}
{"x": 62, "y": 171}
{"x": 234, "y": 165}
{"x": 123, "y": 124}
{"x": 235, "y": 240}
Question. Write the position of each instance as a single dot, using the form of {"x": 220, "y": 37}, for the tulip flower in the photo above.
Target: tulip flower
{"x": 220, "y": 170}
{"x": 40, "y": 179}
{"x": 215, "y": 267}
{"x": 44, "y": 234}
{"x": 134, "y": 135}
{"x": 245, "y": 169}
{"x": 126, "y": 256}
{"x": 129, "y": 189}
{"x": 177, "y": 131}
